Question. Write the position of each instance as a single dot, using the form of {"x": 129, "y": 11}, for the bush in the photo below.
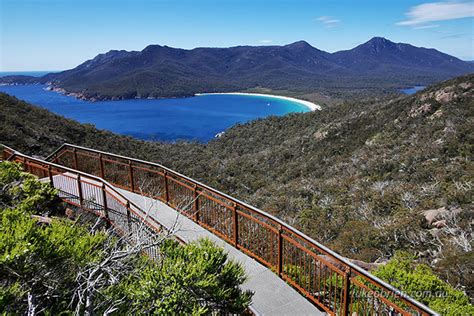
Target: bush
{"x": 22, "y": 190}
{"x": 41, "y": 261}
{"x": 196, "y": 278}
{"x": 419, "y": 282}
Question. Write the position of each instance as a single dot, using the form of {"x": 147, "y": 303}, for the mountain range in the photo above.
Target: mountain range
{"x": 162, "y": 71}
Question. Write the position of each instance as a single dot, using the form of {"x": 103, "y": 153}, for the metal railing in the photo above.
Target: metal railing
{"x": 330, "y": 281}
{"x": 95, "y": 195}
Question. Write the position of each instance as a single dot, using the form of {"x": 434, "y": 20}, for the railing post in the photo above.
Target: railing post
{"x": 50, "y": 175}
{"x": 104, "y": 202}
{"x": 167, "y": 194}
{"x": 129, "y": 217}
{"x": 235, "y": 222}
{"x": 130, "y": 175}
{"x": 280, "y": 251}
{"x": 101, "y": 167}
{"x": 26, "y": 167}
{"x": 74, "y": 160}
{"x": 79, "y": 190}
{"x": 347, "y": 291}
{"x": 195, "y": 204}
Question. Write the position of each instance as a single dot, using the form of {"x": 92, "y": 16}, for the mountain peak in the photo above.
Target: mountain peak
{"x": 378, "y": 39}
{"x": 299, "y": 45}
{"x": 152, "y": 48}
{"x": 378, "y": 44}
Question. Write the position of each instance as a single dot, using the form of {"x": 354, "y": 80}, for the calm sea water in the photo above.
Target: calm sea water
{"x": 412, "y": 90}
{"x": 195, "y": 118}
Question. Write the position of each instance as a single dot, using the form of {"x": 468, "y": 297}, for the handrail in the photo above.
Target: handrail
{"x": 284, "y": 232}
{"x": 74, "y": 171}
{"x": 81, "y": 175}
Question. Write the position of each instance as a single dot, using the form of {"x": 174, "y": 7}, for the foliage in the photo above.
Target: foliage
{"x": 419, "y": 282}
{"x": 41, "y": 261}
{"x": 196, "y": 278}
{"x": 23, "y": 191}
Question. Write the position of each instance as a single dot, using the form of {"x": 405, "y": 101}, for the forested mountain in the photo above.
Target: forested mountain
{"x": 380, "y": 56}
{"x": 162, "y": 71}
{"x": 364, "y": 178}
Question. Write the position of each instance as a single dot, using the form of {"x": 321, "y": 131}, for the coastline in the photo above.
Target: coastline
{"x": 310, "y": 105}
{"x": 81, "y": 96}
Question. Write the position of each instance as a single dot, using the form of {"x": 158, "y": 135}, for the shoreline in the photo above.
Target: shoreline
{"x": 80, "y": 96}
{"x": 309, "y": 105}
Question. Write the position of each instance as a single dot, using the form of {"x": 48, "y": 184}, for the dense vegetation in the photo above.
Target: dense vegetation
{"x": 364, "y": 178}
{"x": 375, "y": 67}
{"x": 62, "y": 266}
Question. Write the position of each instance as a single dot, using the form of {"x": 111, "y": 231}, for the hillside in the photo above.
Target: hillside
{"x": 377, "y": 66}
{"x": 364, "y": 178}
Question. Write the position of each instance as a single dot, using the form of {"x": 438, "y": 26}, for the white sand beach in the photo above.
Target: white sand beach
{"x": 310, "y": 105}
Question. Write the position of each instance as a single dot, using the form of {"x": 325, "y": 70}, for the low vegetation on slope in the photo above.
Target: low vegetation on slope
{"x": 61, "y": 266}
{"x": 364, "y": 178}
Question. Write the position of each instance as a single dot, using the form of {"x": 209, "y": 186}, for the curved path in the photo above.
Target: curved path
{"x": 272, "y": 295}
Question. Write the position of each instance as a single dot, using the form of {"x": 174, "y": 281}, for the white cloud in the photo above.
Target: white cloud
{"x": 328, "y": 21}
{"x": 429, "y": 26}
{"x": 438, "y": 11}
{"x": 266, "y": 41}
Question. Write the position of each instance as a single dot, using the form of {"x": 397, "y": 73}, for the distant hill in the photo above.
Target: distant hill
{"x": 161, "y": 71}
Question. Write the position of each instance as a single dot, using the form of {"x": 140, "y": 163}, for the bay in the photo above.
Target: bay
{"x": 198, "y": 118}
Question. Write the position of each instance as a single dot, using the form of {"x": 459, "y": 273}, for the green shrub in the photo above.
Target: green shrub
{"x": 419, "y": 282}
{"x": 42, "y": 260}
{"x": 22, "y": 190}
{"x": 196, "y": 278}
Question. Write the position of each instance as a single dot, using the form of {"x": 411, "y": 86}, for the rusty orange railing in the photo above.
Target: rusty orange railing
{"x": 330, "y": 281}
{"x": 93, "y": 194}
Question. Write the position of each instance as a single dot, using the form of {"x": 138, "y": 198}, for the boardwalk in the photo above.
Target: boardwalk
{"x": 273, "y": 296}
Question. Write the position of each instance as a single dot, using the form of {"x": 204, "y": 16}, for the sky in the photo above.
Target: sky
{"x": 60, "y": 34}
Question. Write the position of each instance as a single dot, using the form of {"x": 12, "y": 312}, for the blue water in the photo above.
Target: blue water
{"x": 25, "y": 73}
{"x": 195, "y": 118}
{"x": 412, "y": 90}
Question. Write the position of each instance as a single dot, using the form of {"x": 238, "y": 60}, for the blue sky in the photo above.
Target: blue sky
{"x": 60, "y": 34}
